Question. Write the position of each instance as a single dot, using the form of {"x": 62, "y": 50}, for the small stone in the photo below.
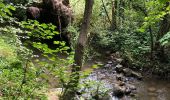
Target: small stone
{"x": 121, "y": 83}
{"x": 132, "y": 94}
{"x": 132, "y": 87}
{"x": 152, "y": 89}
{"x": 119, "y": 77}
{"x": 119, "y": 68}
{"x": 127, "y": 71}
{"x": 109, "y": 62}
{"x": 128, "y": 91}
{"x": 107, "y": 66}
{"x": 137, "y": 75}
{"x": 119, "y": 91}
{"x": 119, "y": 60}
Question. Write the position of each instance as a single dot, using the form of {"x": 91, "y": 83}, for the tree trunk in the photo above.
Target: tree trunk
{"x": 114, "y": 23}
{"x": 81, "y": 43}
{"x": 71, "y": 89}
{"x": 104, "y": 7}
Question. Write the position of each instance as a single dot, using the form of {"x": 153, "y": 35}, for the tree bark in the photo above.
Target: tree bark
{"x": 104, "y": 7}
{"x": 114, "y": 23}
{"x": 71, "y": 89}
{"x": 81, "y": 43}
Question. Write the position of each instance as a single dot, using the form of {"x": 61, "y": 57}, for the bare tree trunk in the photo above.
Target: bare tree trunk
{"x": 81, "y": 43}
{"x": 114, "y": 23}
{"x": 71, "y": 89}
{"x": 104, "y": 7}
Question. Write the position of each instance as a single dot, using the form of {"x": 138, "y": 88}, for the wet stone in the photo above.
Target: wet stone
{"x": 137, "y": 75}
{"x": 132, "y": 87}
{"x": 119, "y": 68}
{"x": 119, "y": 60}
{"x": 107, "y": 65}
{"x": 119, "y": 77}
{"x": 127, "y": 72}
{"x": 128, "y": 91}
{"x": 121, "y": 83}
{"x": 119, "y": 91}
{"x": 152, "y": 89}
{"x": 110, "y": 62}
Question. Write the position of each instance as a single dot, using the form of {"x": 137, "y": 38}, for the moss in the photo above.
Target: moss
{"x": 7, "y": 54}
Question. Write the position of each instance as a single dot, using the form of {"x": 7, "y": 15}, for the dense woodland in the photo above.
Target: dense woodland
{"x": 47, "y": 44}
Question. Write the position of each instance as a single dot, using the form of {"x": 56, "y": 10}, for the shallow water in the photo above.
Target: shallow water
{"x": 148, "y": 89}
{"x": 153, "y": 89}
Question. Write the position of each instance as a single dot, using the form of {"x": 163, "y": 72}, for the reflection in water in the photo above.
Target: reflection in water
{"x": 153, "y": 90}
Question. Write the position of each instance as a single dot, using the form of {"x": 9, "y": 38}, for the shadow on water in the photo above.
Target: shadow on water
{"x": 153, "y": 89}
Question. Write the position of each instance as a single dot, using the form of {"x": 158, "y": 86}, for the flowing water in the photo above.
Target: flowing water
{"x": 147, "y": 89}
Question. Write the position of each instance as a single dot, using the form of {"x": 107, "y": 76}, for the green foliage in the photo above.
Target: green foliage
{"x": 5, "y": 12}
{"x": 163, "y": 1}
{"x": 18, "y": 76}
{"x": 165, "y": 40}
{"x": 37, "y": 30}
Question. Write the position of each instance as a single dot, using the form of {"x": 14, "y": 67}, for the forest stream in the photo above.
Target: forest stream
{"x": 113, "y": 80}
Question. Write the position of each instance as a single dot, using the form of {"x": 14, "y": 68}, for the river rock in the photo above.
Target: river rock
{"x": 131, "y": 73}
{"x": 119, "y": 68}
{"x": 119, "y": 60}
{"x": 152, "y": 89}
{"x": 127, "y": 71}
{"x": 119, "y": 91}
{"x": 119, "y": 77}
{"x": 128, "y": 91}
{"x": 132, "y": 87}
{"x": 121, "y": 83}
{"x": 110, "y": 62}
{"x": 107, "y": 66}
{"x": 137, "y": 75}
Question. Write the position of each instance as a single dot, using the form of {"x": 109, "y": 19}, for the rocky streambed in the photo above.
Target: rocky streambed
{"x": 111, "y": 81}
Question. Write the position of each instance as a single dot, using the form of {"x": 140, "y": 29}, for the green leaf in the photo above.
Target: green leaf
{"x": 56, "y": 42}
{"x": 12, "y": 7}
{"x": 163, "y": 1}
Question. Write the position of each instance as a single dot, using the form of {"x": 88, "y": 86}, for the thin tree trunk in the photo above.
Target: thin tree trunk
{"x": 114, "y": 23}
{"x": 81, "y": 43}
{"x": 152, "y": 43}
{"x": 106, "y": 12}
{"x": 70, "y": 91}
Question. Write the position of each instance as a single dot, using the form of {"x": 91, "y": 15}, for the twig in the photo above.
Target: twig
{"x": 106, "y": 11}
